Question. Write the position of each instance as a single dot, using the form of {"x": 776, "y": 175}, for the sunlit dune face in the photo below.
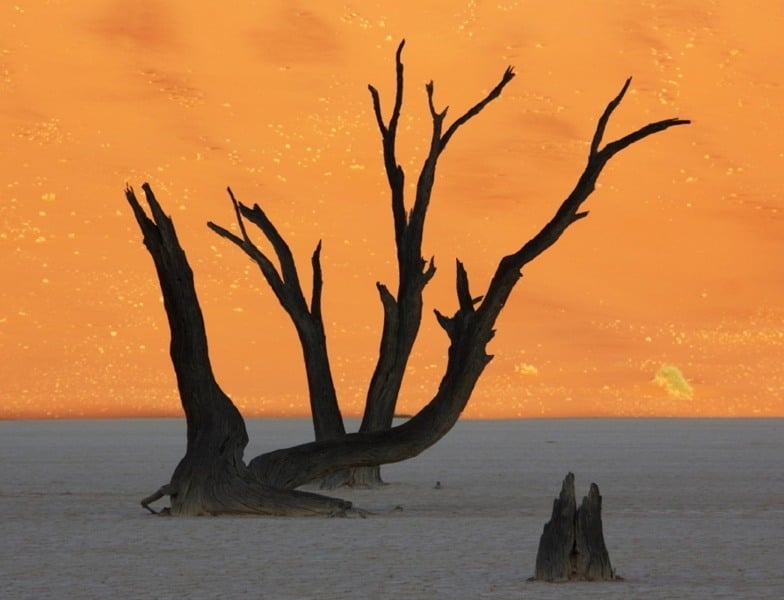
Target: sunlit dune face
{"x": 665, "y": 301}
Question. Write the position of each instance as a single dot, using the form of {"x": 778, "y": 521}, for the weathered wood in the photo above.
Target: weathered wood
{"x": 556, "y": 546}
{"x": 572, "y": 546}
{"x": 593, "y": 560}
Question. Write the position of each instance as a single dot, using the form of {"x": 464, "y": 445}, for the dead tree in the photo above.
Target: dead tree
{"x": 469, "y": 329}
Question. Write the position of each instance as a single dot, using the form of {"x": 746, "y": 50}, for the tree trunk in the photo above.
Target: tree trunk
{"x": 593, "y": 560}
{"x": 556, "y": 545}
{"x": 212, "y": 477}
{"x": 572, "y": 547}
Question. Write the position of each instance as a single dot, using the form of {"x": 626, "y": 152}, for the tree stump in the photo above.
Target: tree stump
{"x": 572, "y": 544}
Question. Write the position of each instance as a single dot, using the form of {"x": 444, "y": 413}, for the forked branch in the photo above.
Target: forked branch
{"x": 569, "y": 212}
{"x": 308, "y": 320}
{"x": 403, "y": 312}
{"x": 438, "y": 143}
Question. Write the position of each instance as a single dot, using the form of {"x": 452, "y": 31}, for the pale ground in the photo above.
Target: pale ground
{"x": 692, "y": 509}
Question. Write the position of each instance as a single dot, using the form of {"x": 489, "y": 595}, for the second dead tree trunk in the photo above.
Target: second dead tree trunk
{"x": 572, "y": 547}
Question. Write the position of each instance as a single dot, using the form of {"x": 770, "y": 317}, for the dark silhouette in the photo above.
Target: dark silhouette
{"x": 212, "y": 477}
{"x": 572, "y": 544}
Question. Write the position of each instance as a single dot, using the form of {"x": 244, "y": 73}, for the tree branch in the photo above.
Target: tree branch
{"x": 401, "y": 329}
{"x": 395, "y": 173}
{"x": 266, "y": 266}
{"x": 398, "y": 88}
{"x": 438, "y": 144}
{"x": 614, "y": 147}
{"x": 477, "y": 108}
{"x": 307, "y": 320}
{"x": 288, "y": 268}
{"x": 318, "y": 284}
{"x": 508, "y": 271}
{"x": 464, "y": 299}
{"x": 188, "y": 346}
{"x": 604, "y": 119}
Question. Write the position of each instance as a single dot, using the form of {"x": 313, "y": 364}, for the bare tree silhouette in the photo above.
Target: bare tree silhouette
{"x": 213, "y": 477}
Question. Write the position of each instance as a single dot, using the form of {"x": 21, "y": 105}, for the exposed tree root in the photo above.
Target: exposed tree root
{"x": 248, "y": 497}
{"x": 164, "y": 490}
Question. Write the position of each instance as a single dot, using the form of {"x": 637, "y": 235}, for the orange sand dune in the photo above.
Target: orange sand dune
{"x": 679, "y": 264}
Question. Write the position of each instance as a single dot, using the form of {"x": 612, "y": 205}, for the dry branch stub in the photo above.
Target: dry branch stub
{"x": 572, "y": 547}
